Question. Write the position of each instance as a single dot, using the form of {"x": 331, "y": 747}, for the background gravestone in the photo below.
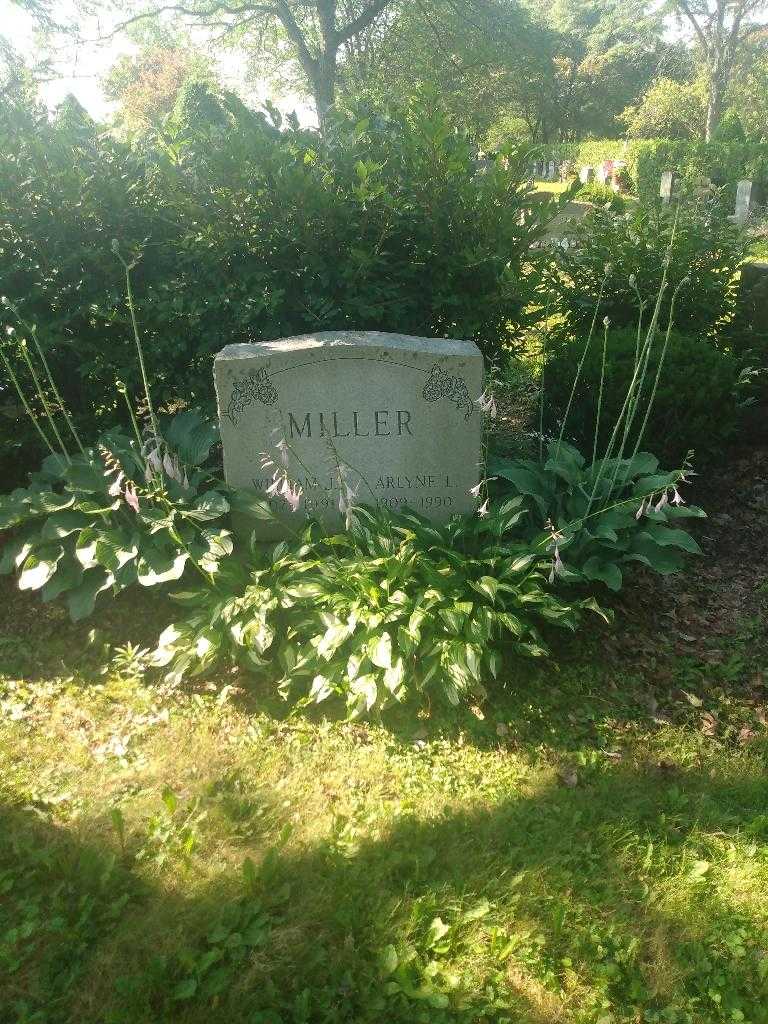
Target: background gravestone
{"x": 379, "y": 419}
{"x": 666, "y": 186}
{"x": 745, "y": 201}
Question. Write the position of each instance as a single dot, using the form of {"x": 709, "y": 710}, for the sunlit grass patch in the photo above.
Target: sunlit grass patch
{"x": 567, "y": 852}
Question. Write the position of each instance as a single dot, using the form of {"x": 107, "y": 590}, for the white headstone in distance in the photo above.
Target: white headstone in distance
{"x": 341, "y": 417}
{"x": 744, "y": 201}
{"x": 586, "y": 174}
{"x": 666, "y": 185}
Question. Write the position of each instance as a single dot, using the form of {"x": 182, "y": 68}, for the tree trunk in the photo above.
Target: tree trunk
{"x": 715, "y": 101}
{"x": 324, "y": 88}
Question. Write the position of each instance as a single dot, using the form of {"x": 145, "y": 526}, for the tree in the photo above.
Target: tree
{"x": 146, "y": 85}
{"x": 314, "y": 32}
{"x": 723, "y": 30}
{"x": 669, "y": 110}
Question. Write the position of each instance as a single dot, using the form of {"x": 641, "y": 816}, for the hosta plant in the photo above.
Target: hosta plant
{"x": 392, "y": 608}
{"x": 117, "y": 514}
{"x": 601, "y": 515}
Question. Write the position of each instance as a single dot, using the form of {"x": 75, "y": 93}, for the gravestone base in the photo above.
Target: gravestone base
{"x": 315, "y": 423}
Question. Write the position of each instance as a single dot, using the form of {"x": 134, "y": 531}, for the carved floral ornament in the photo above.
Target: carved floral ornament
{"x": 260, "y": 387}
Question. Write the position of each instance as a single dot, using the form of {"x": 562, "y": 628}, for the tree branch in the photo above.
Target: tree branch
{"x": 362, "y": 21}
{"x": 191, "y": 12}
{"x": 685, "y": 8}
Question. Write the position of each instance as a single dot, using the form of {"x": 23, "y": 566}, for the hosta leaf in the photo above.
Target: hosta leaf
{"x": 82, "y": 598}
{"x": 592, "y": 605}
{"x": 365, "y": 689}
{"x": 380, "y": 651}
{"x": 219, "y": 542}
{"x": 252, "y": 503}
{"x": 565, "y": 461}
{"x": 605, "y": 572}
{"x": 39, "y": 566}
{"x": 85, "y": 548}
{"x": 50, "y": 501}
{"x": 655, "y": 483}
{"x": 210, "y": 505}
{"x": 643, "y": 464}
{"x": 68, "y": 575}
{"x": 519, "y": 564}
{"x": 321, "y": 689}
{"x": 394, "y": 675}
{"x": 15, "y": 552}
{"x": 663, "y": 560}
{"x": 667, "y": 536}
{"x": 85, "y": 476}
{"x": 108, "y": 548}
{"x": 12, "y": 513}
{"x": 511, "y": 623}
{"x": 487, "y": 586}
{"x": 528, "y": 481}
{"x": 64, "y": 522}
{"x": 332, "y": 639}
{"x": 155, "y": 566}
{"x": 191, "y": 436}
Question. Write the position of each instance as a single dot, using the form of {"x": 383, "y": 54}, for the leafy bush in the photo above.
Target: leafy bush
{"x": 397, "y": 606}
{"x": 696, "y": 377}
{"x": 254, "y": 231}
{"x": 101, "y": 522}
{"x": 602, "y": 195}
{"x": 601, "y": 515}
{"x": 700, "y": 244}
{"x": 391, "y": 609}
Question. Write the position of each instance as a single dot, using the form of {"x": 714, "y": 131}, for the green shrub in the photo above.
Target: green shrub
{"x": 398, "y": 607}
{"x": 253, "y": 231}
{"x": 603, "y": 196}
{"x": 103, "y": 520}
{"x": 391, "y": 609}
{"x": 601, "y": 516}
{"x": 698, "y": 403}
{"x": 701, "y": 244}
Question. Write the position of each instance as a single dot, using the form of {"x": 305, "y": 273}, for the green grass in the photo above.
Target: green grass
{"x": 572, "y": 851}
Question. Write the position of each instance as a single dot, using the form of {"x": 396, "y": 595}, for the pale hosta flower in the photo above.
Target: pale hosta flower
{"x": 662, "y": 502}
{"x": 116, "y": 487}
{"x": 644, "y": 505}
{"x": 475, "y": 491}
{"x": 557, "y": 565}
{"x": 556, "y": 536}
{"x": 632, "y": 280}
{"x": 172, "y": 468}
{"x": 487, "y": 404}
{"x": 677, "y": 498}
{"x": 284, "y": 488}
{"x": 484, "y": 508}
{"x": 131, "y": 497}
{"x": 292, "y": 494}
{"x": 154, "y": 463}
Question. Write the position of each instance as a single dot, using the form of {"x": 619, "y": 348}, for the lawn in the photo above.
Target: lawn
{"x": 589, "y": 846}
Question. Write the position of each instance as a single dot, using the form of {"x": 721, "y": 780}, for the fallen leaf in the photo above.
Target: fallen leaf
{"x": 709, "y": 724}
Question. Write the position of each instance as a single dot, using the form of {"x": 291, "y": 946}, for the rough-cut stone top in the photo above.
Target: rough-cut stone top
{"x": 351, "y": 339}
